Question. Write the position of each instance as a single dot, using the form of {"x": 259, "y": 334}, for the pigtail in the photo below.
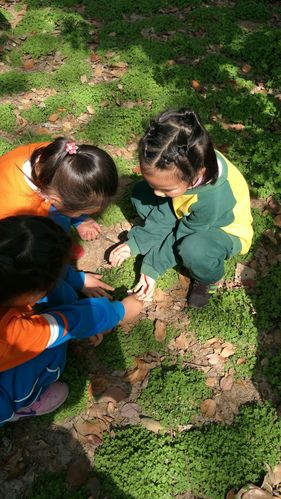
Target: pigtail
{"x": 178, "y": 138}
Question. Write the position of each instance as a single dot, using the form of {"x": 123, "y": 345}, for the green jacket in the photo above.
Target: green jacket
{"x": 224, "y": 204}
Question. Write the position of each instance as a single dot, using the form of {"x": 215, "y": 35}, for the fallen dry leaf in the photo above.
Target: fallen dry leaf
{"x": 88, "y": 432}
{"x": 83, "y": 79}
{"x": 159, "y": 295}
{"x": 214, "y": 359}
{"x": 241, "y": 360}
{"x": 211, "y": 341}
{"x": 130, "y": 410}
{"x": 160, "y": 330}
{"x": 151, "y": 425}
{"x": 226, "y": 383}
{"x": 77, "y": 472}
{"x": 252, "y": 492}
{"x": 211, "y": 382}
{"x": 98, "y": 385}
{"x": 13, "y": 464}
{"x": 184, "y": 281}
{"x": 277, "y": 221}
{"x": 90, "y": 109}
{"x": 139, "y": 373}
{"x": 53, "y": 117}
{"x": 114, "y": 394}
{"x": 28, "y": 63}
{"x": 273, "y": 476}
{"x": 231, "y": 494}
{"x": 182, "y": 342}
{"x": 227, "y": 351}
{"x": 246, "y": 68}
{"x": 208, "y": 408}
{"x": 196, "y": 85}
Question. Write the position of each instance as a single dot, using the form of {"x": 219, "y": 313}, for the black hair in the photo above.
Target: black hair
{"x": 178, "y": 138}
{"x": 33, "y": 252}
{"x": 84, "y": 178}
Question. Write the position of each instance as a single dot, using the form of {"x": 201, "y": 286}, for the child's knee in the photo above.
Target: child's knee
{"x": 192, "y": 250}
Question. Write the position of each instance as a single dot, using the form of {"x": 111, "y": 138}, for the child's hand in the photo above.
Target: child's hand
{"x": 119, "y": 254}
{"x": 93, "y": 286}
{"x": 133, "y": 307}
{"x": 89, "y": 230}
{"x": 145, "y": 288}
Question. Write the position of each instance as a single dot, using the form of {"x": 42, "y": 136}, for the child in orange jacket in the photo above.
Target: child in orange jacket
{"x": 33, "y": 340}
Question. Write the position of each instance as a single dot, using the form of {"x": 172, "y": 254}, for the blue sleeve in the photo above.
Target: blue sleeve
{"x": 78, "y": 220}
{"x": 76, "y": 278}
{"x": 82, "y": 319}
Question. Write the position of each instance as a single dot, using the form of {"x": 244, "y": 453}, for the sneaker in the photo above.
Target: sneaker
{"x": 52, "y": 398}
{"x": 200, "y": 294}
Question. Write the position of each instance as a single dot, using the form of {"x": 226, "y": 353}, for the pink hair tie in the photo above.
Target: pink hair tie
{"x": 71, "y": 147}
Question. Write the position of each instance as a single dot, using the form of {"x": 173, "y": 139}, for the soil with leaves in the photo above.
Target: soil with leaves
{"x": 181, "y": 403}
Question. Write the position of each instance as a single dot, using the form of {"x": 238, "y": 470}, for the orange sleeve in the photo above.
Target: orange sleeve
{"x": 22, "y": 338}
{"x": 16, "y": 196}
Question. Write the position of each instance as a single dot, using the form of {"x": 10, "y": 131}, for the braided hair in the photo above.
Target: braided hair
{"x": 83, "y": 175}
{"x": 33, "y": 252}
{"x": 178, "y": 138}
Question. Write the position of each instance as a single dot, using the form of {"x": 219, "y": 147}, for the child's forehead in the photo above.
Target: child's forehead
{"x": 161, "y": 176}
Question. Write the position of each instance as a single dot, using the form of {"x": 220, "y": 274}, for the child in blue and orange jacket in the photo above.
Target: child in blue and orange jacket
{"x": 62, "y": 180}
{"x": 33, "y": 339}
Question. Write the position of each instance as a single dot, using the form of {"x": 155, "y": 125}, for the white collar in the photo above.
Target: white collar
{"x": 27, "y": 175}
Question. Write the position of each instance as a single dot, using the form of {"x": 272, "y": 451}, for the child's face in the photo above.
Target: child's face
{"x": 165, "y": 183}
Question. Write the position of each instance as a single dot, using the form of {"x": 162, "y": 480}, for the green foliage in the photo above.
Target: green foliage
{"x": 258, "y": 159}
{"x": 7, "y": 118}
{"x": 54, "y": 486}
{"x": 207, "y": 461}
{"x": 5, "y": 146}
{"x": 229, "y": 316}
{"x": 12, "y": 82}
{"x": 37, "y": 21}
{"x": 252, "y": 10}
{"x": 272, "y": 372}
{"x": 75, "y": 30}
{"x": 36, "y": 46}
{"x": 118, "y": 350}
{"x": 75, "y": 375}
{"x": 267, "y": 299}
{"x": 173, "y": 395}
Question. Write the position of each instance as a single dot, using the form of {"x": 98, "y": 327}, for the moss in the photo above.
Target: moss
{"x": 267, "y": 303}
{"x": 7, "y": 118}
{"x": 37, "y": 21}
{"x": 206, "y": 462}
{"x": 118, "y": 350}
{"x": 55, "y": 486}
{"x": 173, "y": 395}
{"x": 36, "y": 46}
{"x": 229, "y": 316}
{"x": 12, "y": 83}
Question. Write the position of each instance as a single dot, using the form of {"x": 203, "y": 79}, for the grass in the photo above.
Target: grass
{"x": 163, "y": 47}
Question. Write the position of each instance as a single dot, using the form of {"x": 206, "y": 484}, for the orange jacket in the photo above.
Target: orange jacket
{"x": 16, "y": 195}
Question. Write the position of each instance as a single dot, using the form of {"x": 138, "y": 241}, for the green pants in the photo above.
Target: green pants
{"x": 164, "y": 240}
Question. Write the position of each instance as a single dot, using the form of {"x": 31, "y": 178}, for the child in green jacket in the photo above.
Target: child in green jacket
{"x": 194, "y": 203}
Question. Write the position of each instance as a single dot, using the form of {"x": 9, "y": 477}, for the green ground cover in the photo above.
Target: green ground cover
{"x": 104, "y": 68}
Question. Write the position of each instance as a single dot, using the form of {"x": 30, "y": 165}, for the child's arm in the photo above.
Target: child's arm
{"x": 25, "y": 337}
{"x": 87, "y": 228}
{"x": 90, "y": 284}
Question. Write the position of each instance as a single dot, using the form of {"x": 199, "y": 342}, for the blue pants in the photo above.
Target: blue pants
{"x": 22, "y": 385}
